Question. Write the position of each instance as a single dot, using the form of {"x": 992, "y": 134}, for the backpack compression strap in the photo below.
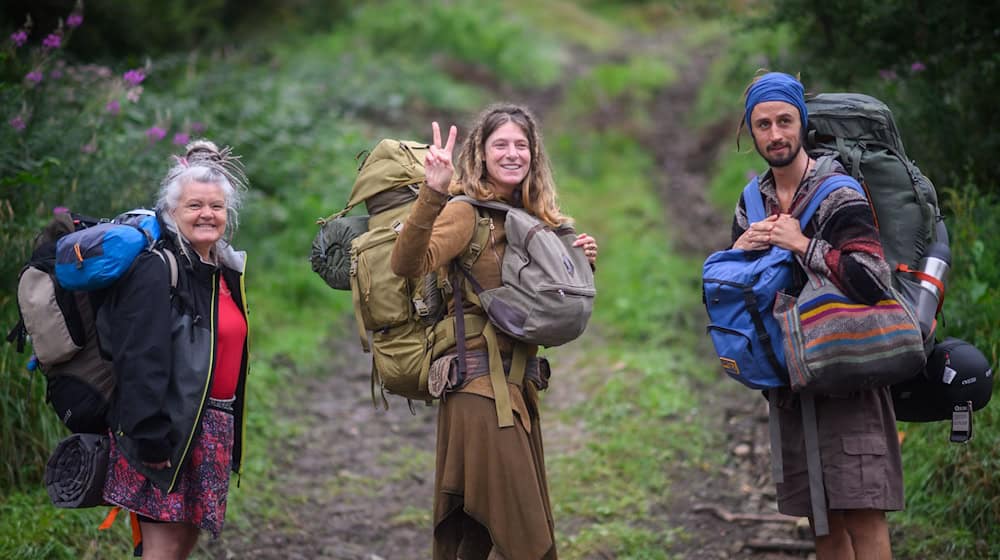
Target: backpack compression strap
{"x": 498, "y": 381}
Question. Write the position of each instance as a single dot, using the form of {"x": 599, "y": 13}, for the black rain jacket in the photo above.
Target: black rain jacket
{"x": 162, "y": 344}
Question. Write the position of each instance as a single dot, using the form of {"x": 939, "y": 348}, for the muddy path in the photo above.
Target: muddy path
{"x": 357, "y": 480}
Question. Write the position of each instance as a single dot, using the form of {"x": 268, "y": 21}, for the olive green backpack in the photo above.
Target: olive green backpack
{"x": 398, "y": 319}
{"x": 546, "y": 297}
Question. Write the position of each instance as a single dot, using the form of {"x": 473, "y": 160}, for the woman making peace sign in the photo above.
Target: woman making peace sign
{"x": 490, "y": 493}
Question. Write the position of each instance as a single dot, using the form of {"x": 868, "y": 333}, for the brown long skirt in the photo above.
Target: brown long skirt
{"x": 490, "y": 489}
{"x": 859, "y": 451}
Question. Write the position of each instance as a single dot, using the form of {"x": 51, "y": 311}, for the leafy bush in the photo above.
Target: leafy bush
{"x": 160, "y": 27}
{"x": 938, "y": 67}
{"x": 77, "y": 136}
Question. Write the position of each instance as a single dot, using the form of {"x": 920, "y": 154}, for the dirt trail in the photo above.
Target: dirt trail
{"x": 358, "y": 481}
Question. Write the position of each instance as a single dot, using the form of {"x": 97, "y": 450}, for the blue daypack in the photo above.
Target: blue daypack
{"x": 93, "y": 258}
{"x": 739, "y": 288}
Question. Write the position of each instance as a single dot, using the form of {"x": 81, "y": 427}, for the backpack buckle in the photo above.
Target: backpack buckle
{"x": 421, "y": 307}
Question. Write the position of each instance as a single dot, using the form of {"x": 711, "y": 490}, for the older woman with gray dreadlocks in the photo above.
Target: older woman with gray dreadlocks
{"x": 176, "y": 329}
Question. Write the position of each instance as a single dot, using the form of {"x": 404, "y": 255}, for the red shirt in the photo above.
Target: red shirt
{"x": 230, "y": 338}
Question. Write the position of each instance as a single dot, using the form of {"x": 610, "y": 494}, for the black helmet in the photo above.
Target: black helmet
{"x": 956, "y": 372}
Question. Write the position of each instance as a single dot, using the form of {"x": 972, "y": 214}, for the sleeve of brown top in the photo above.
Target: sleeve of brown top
{"x": 435, "y": 232}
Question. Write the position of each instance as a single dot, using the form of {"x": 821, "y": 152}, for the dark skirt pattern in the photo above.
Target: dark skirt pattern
{"x": 199, "y": 496}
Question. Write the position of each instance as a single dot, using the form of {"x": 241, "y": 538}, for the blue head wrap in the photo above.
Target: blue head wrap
{"x": 777, "y": 86}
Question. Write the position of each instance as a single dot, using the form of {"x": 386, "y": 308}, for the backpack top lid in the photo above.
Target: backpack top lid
{"x": 391, "y": 164}
{"x": 860, "y": 131}
{"x": 853, "y": 115}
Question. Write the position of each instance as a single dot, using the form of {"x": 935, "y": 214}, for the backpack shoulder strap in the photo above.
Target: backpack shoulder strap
{"x": 481, "y": 234}
{"x": 754, "y": 202}
{"x": 830, "y": 184}
{"x": 494, "y": 204}
{"x": 169, "y": 258}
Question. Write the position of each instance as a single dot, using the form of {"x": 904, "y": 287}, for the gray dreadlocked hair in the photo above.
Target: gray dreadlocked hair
{"x": 204, "y": 162}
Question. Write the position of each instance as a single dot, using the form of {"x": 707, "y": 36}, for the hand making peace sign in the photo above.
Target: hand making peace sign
{"x": 437, "y": 163}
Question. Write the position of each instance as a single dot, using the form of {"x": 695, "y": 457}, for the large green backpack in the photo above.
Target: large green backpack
{"x": 860, "y": 131}
{"x": 546, "y": 298}
{"x": 398, "y": 319}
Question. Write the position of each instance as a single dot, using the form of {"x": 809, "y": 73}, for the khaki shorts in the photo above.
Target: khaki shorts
{"x": 859, "y": 451}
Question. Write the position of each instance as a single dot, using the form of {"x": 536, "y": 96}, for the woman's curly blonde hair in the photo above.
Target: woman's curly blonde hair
{"x": 538, "y": 190}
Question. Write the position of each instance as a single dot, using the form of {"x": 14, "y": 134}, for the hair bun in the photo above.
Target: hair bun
{"x": 202, "y": 149}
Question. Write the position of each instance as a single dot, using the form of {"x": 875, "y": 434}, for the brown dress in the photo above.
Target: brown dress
{"x": 490, "y": 490}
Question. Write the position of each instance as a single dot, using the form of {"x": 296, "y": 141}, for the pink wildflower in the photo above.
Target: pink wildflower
{"x": 34, "y": 76}
{"x": 887, "y": 75}
{"x": 60, "y": 210}
{"x": 17, "y": 123}
{"x": 134, "y": 77}
{"x": 89, "y": 148}
{"x": 155, "y": 133}
{"x": 52, "y": 41}
{"x": 197, "y": 127}
{"x": 113, "y": 107}
{"x": 134, "y": 94}
{"x": 74, "y": 20}
{"x": 181, "y": 138}
{"x": 19, "y": 38}
{"x": 917, "y": 67}
{"x": 55, "y": 74}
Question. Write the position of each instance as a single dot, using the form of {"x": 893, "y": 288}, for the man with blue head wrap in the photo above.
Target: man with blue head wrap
{"x": 857, "y": 447}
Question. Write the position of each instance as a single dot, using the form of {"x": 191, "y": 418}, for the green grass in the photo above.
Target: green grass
{"x": 629, "y": 85}
{"x": 639, "y": 414}
{"x": 572, "y": 23}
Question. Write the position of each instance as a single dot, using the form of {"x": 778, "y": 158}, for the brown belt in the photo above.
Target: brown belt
{"x": 444, "y": 375}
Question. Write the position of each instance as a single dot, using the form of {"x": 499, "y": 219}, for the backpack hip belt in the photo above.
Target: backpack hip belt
{"x": 445, "y": 377}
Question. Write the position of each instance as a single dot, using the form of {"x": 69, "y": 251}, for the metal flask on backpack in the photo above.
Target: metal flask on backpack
{"x": 936, "y": 263}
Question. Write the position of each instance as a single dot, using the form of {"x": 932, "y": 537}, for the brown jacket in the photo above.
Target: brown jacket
{"x": 434, "y": 234}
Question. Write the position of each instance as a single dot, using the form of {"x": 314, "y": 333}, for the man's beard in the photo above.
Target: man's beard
{"x": 775, "y": 161}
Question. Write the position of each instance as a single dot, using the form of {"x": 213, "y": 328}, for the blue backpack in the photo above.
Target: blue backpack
{"x": 739, "y": 288}
{"x": 95, "y": 257}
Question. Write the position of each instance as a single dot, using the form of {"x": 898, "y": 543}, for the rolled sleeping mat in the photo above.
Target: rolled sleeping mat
{"x": 75, "y": 473}
{"x": 331, "y": 250}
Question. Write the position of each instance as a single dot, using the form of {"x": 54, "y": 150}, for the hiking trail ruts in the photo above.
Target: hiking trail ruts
{"x": 357, "y": 481}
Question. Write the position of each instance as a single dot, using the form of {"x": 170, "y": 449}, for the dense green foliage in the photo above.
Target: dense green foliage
{"x": 299, "y": 108}
{"x": 936, "y": 63}
{"x": 114, "y": 30}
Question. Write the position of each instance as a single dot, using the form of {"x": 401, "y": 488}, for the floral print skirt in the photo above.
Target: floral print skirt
{"x": 199, "y": 497}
